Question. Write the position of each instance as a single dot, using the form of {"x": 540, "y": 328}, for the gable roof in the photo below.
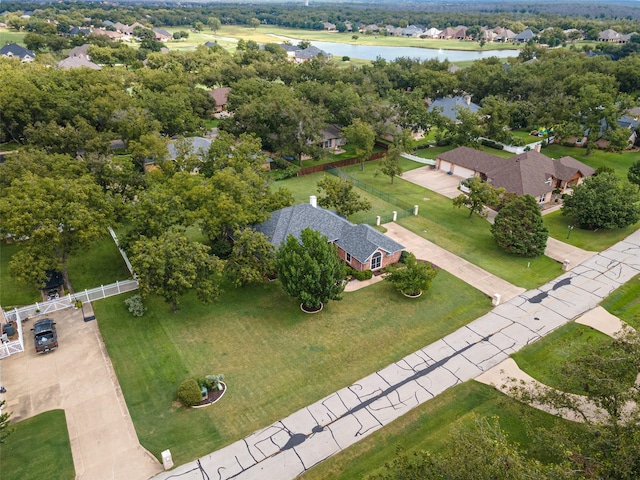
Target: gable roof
{"x": 310, "y": 52}
{"x": 450, "y": 105}
{"x": 81, "y": 51}
{"x": 220, "y": 95}
{"x": 527, "y": 173}
{"x": 331, "y": 131}
{"x": 15, "y": 50}
{"x": 360, "y": 241}
{"x": 78, "y": 62}
{"x": 524, "y": 36}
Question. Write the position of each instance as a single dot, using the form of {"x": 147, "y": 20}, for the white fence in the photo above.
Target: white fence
{"x": 122, "y": 252}
{"x": 11, "y": 347}
{"x": 41, "y": 308}
{"x": 426, "y": 161}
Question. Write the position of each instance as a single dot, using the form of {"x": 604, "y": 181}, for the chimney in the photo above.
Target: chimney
{"x": 538, "y": 147}
{"x": 313, "y": 201}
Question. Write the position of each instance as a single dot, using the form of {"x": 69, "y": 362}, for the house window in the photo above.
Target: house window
{"x": 348, "y": 258}
{"x": 543, "y": 197}
{"x": 376, "y": 260}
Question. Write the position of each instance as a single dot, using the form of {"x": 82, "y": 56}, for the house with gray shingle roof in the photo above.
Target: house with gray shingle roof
{"x": 449, "y": 106}
{"x": 13, "y": 50}
{"x": 529, "y": 173}
{"x": 360, "y": 246}
{"x": 77, "y": 62}
{"x": 524, "y": 36}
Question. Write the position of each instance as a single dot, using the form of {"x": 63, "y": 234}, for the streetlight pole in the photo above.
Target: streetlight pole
{"x": 570, "y": 227}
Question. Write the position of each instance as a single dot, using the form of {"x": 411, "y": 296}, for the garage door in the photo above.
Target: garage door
{"x": 446, "y": 166}
{"x": 462, "y": 172}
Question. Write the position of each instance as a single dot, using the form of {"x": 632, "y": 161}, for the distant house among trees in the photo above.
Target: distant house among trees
{"x": 221, "y": 97}
{"x": 13, "y": 50}
{"x": 611, "y": 36}
{"x": 524, "y": 36}
{"x": 449, "y": 106}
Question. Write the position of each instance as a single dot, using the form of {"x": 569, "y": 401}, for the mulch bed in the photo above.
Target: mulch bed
{"x": 212, "y": 396}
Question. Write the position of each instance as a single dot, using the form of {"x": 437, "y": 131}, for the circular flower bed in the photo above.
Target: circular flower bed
{"x": 212, "y": 397}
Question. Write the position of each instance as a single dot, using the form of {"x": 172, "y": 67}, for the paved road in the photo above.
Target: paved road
{"x": 475, "y": 276}
{"x": 79, "y": 378}
{"x": 307, "y": 437}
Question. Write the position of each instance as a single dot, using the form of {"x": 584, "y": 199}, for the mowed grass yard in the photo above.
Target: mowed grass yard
{"x": 439, "y": 222}
{"x": 624, "y": 302}
{"x": 275, "y": 358}
{"x": 39, "y": 447}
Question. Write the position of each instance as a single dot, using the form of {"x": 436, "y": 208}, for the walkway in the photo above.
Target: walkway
{"x": 475, "y": 276}
{"x": 307, "y": 437}
{"x": 560, "y": 251}
{"x": 79, "y": 378}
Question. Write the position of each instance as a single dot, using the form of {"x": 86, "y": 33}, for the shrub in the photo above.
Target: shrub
{"x": 135, "y": 305}
{"x": 492, "y": 144}
{"x": 211, "y": 382}
{"x": 362, "y": 274}
{"x": 189, "y": 392}
{"x": 346, "y": 58}
{"x": 403, "y": 256}
{"x": 411, "y": 278}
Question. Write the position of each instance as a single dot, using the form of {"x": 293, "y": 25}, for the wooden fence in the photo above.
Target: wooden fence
{"x": 338, "y": 164}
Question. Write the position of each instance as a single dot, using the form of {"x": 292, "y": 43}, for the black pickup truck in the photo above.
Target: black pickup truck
{"x": 45, "y": 337}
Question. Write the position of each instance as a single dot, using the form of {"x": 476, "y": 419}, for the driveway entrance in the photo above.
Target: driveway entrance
{"x": 435, "y": 180}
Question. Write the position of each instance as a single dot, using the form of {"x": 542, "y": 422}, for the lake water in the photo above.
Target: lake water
{"x": 371, "y": 52}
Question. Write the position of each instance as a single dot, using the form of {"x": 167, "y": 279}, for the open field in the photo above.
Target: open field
{"x": 11, "y": 36}
{"x": 275, "y": 358}
{"x": 428, "y": 427}
{"x": 49, "y": 456}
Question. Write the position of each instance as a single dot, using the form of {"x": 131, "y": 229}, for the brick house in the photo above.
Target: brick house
{"x": 529, "y": 173}
{"x": 359, "y": 246}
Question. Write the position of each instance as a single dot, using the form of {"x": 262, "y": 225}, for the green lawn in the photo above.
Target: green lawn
{"x": 13, "y": 293}
{"x": 594, "y": 240}
{"x": 11, "y": 36}
{"x": 428, "y": 426}
{"x": 38, "y": 448}
{"x": 624, "y": 302}
{"x": 275, "y": 358}
{"x": 543, "y": 358}
{"x": 101, "y": 264}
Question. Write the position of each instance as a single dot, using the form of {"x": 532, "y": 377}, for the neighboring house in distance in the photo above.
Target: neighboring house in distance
{"x": 309, "y": 53}
{"x": 211, "y": 44}
{"x": 81, "y": 51}
{"x": 221, "y": 97}
{"x": 449, "y": 106}
{"x": 108, "y": 33}
{"x": 77, "y": 62}
{"x": 332, "y": 138}
{"x": 162, "y": 35}
{"x": 529, "y": 173}
{"x": 610, "y": 35}
{"x": 331, "y": 27}
{"x": 447, "y": 33}
{"x": 198, "y": 146}
{"x": 13, "y": 50}
{"x": 432, "y": 33}
{"x": 524, "y": 36}
{"x": 360, "y": 246}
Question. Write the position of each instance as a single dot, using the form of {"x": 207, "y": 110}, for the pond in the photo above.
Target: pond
{"x": 371, "y": 52}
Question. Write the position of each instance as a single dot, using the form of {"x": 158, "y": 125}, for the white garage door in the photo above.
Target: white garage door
{"x": 462, "y": 172}
{"x": 446, "y": 166}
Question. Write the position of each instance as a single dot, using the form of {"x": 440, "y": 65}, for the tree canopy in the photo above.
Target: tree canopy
{"x": 310, "y": 269}
{"x": 480, "y": 194}
{"x": 518, "y": 228}
{"x": 338, "y": 194}
{"x": 603, "y": 201}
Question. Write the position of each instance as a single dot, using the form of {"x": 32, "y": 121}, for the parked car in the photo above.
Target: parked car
{"x": 45, "y": 338}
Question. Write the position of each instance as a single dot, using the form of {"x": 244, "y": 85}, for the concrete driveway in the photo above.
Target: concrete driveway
{"x": 435, "y": 180}
{"x": 475, "y": 276}
{"x": 79, "y": 378}
{"x": 561, "y": 251}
